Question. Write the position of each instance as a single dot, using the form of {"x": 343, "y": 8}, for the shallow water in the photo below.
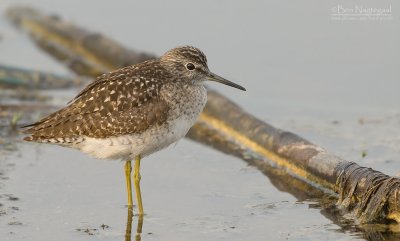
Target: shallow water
{"x": 333, "y": 82}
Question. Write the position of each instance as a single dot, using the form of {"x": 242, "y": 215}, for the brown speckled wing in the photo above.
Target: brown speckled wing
{"x": 125, "y": 101}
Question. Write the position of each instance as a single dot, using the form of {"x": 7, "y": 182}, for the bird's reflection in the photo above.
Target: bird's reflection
{"x": 128, "y": 233}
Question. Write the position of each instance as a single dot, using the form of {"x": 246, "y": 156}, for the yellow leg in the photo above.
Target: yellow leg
{"x": 128, "y": 170}
{"x": 136, "y": 176}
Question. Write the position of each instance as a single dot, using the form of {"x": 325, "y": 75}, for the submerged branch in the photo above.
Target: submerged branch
{"x": 12, "y": 77}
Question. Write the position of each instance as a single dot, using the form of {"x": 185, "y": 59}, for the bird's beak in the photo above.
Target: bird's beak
{"x": 219, "y": 79}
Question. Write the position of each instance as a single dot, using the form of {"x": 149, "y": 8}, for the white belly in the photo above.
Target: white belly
{"x": 154, "y": 139}
{"x": 129, "y": 146}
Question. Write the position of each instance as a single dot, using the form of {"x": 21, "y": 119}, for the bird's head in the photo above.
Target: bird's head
{"x": 190, "y": 64}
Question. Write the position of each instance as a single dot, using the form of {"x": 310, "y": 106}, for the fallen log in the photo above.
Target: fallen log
{"x": 99, "y": 51}
{"x": 369, "y": 195}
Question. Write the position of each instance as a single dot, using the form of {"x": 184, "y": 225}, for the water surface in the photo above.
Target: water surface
{"x": 335, "y": 83}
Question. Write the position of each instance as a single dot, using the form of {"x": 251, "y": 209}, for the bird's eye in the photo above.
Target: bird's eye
{"x": 190, "y": 66}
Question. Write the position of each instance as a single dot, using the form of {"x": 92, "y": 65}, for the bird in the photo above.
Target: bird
{"x": 133, "y": 111}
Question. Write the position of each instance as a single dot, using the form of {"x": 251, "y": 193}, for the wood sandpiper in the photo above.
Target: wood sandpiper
{"x": 133, "y": 112}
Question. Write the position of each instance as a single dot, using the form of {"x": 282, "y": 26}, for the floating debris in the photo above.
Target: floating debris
{"x": 11, "y": 197}
{"x": 88, "y": 231}
{"x": 14, "y": 223}
{"x": 17, "y": 116}
{"x": 104, "y": 226}
{"x": 363, "y": 153}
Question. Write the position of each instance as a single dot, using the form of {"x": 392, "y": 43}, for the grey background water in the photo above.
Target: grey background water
{"x": 334, "y": 82}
